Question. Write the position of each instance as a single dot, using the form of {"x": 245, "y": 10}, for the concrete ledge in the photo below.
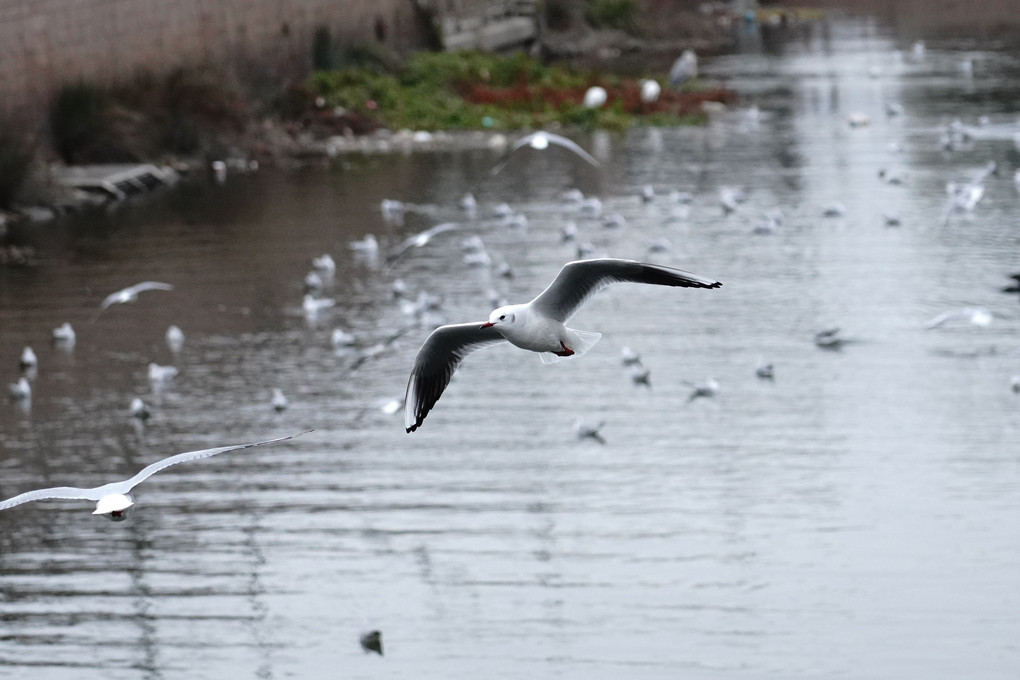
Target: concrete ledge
{"x": 493, "y": 36}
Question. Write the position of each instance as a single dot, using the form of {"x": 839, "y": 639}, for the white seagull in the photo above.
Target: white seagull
{"x": 420, "y": 239}
{"x": 279, "y": 400}
{"x": 541, "y": 140}
{"x": 975, "y": 315}
{"x": 174, "y": 338}
{"x": 595, "y": 97}
{"x": 537, "y": 326}
{"x": 130, "y": 294}
{"x": 28, "y": 360}
{"x": 114, "y": 499}
{"x": 684, "y": 68}
{"x": 21, "y": 390}
{"x": 650, "y": 91}
{"x": 64, "y": 335}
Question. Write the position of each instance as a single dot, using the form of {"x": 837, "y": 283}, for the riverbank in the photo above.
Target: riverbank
{"x": 368, "y": 101}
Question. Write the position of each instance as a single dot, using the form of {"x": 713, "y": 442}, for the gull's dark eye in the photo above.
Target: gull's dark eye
{"x": 502, "y": 317}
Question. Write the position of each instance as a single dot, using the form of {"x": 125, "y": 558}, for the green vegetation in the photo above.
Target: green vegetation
{"x": 441, "y": 91}
{"x": 185, "y": 112}
{"x": 619, "y": 14}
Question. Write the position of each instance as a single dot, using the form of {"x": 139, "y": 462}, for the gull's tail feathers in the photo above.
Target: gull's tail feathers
{"x": 585, "y": 341}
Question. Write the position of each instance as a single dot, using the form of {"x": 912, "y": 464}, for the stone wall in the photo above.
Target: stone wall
{"x": 47, "y": 43}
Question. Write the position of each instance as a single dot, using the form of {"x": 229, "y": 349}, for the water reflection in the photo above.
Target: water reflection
{"x": 853, "y": 516}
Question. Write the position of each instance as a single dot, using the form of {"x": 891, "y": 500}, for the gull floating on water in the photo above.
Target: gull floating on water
{"x": 341, "y": 338}
{"x": 537, "y": 326}
{"x": 279, "y": 400}
{"x": 114, "y": 499}
{"x": 586, "y": 430}
{"x": 313, "y": 305}
{"x": 829, "y": 339}
{"x": 709, "y": 388}
{"x": 174, "y": 338}
{"x": 367, "y": 246}
{"x": 139, "y": 410}
{"x": 541, "y": 140}
{"x": 130, "y": 294}
{"x": 21, "y": 390}
{"x": 28, "y": 360}
{"x": 629, "y": 357}
{"x": 161, "y": 374}
{"x": 325, "y": 263}
{"x": 372, "y": 642}
{"x": 64, "y": 335}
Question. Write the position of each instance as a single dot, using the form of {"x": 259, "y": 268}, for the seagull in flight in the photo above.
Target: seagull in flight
{"x": 419, "y": 240}
{"x": 541, "y": 140}
{"x": 114, "y": 499}
{"x": 130, "y": 294}
{"x": 537, "y": 326}
{"x": 975, "y": 315}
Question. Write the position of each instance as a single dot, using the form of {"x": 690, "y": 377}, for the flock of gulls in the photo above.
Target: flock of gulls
{"x": 539, "y": 325}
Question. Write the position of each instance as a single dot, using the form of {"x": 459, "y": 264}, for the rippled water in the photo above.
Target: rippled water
{"x": 856, "y": 517}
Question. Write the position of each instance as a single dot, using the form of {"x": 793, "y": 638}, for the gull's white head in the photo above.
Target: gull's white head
{"x": 114, "y": 506}
{"x": 504, "y": 316}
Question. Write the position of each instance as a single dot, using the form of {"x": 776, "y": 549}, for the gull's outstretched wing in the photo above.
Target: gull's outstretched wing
{"x": 437, "y": 359}
{"x": 66, "y": 492}
{"x": 128, "y": 484}
{"x": 579, "y": 280}
{"x": 130, "y": 293}
{"x": 570, "y": 144}
{"x": 550, "y": 137}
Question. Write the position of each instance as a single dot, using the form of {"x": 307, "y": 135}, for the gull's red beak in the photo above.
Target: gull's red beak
{"x": 487, "y": 324}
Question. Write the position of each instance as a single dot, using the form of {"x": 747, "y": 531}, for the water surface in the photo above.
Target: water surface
{"x": 855, "y": 517}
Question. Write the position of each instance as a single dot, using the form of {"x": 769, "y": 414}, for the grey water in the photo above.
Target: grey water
{"x": 854, "y": 517}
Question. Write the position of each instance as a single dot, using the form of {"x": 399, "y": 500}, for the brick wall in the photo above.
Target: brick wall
{"x": 47, "y": 43}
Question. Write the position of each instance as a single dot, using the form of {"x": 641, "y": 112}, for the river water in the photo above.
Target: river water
{"x": 855, "y": 517}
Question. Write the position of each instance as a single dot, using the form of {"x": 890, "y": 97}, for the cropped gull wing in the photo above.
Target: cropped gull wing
{"x": 435, "y": 364}
{"x": 581, "y": 279}
{"x": 127, "y": 485}
{"x": 572, "y": 146}
{"x": 66, "y": 492}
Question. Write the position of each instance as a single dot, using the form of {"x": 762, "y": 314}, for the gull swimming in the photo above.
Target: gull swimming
{"x": 64, "y": 335}
{"x": 586, "y": 430}
{"x": 130, "y": 294}
{"x": 279, "y": 400}
{"x": 28, "y": 360}
{"x": 541, "y": 140}
{"x": 537, "y": 326}
{"x": 21, "y": 390}
{"x": 174, "y": 338}
{"x": 114, "y": 499}
{"x": 139, "y": 410}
